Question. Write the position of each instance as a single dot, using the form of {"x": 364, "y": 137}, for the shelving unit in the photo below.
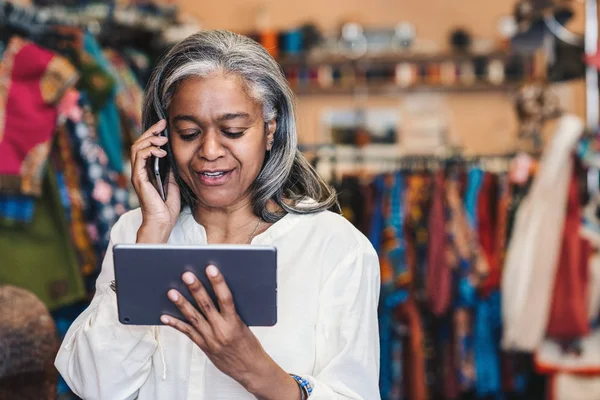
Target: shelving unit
{"x": 321, "y": 74}
{"x": 390, "y": 89}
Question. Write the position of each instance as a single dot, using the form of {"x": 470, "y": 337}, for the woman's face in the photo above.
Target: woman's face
{"x": 218, "y": 138}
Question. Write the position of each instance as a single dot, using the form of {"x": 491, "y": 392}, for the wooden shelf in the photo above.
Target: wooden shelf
{"x": 393, "y": 89}
{"x": 388, "y": 58}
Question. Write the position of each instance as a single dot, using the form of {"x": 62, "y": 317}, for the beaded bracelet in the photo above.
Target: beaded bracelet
{"x": 305, "y": 386}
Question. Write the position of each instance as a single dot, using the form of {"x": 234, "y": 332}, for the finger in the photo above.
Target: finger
{"x": 186, "y": 329}
{"x": 201, "y": 296}
{"x": 222, "y": 291}
{"x": 173, "y": 199}
{"x": 195, "y": 319}
{"x": 143, "y": 144}
{"x": 140, "y": 173}
{"x": 150, "y": 132}
{"x": 154, "y": 129}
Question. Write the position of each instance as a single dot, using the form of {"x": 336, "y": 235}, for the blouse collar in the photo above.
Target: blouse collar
{"x": 195, "y": 233}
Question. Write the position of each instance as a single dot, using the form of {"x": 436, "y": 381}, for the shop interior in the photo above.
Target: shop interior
{"x": 441, "y": 125}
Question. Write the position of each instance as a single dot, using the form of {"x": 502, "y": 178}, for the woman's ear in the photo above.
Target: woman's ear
{"x": 270, "y": 128}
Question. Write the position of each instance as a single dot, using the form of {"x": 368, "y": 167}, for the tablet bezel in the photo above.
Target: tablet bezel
{"x": 144, "y": 273}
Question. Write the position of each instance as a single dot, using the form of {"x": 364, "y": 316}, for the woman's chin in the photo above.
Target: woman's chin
{"x": 219, "y": 199}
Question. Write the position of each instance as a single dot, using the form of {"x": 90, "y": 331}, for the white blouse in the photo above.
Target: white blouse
{"x": 327, "y": 331}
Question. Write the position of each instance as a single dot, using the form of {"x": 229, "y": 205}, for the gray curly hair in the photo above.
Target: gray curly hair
{"x": 286, "y": 176}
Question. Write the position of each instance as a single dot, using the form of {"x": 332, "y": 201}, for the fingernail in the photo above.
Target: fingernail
{"x": 164, "y": 319}
{"x": 212, "y": 271}
{"x": 173, "y": 295}
{"x": 188, "y": 278}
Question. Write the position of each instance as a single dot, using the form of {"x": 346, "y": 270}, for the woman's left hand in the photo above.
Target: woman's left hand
{"x": 221, "y": 334}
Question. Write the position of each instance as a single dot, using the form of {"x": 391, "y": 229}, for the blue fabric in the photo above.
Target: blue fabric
{"x": 391, "y": 296}
{"x": 377, "y": 218}
{"x": 487, "y": 329}
{"x": 487, "y": 336}
{"x": 16, "y": 209}
{"x": 108, "y": 120}
{"x": 475, "y": 179}
{"x": 63, "y": 193}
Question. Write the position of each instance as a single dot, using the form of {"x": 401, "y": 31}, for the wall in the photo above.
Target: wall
{"x": 481, "y": 122}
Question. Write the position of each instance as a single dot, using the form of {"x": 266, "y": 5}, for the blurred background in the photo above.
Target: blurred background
{"x": 442, "y": 125}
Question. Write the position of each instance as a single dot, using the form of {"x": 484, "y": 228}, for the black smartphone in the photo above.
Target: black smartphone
{"x": 160, "y": 166}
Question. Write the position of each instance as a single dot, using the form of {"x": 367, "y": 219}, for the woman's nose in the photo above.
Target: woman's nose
{"x": 211, "y": 147}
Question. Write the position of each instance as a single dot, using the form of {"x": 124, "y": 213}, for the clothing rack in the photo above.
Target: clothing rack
{"x": 326, "y": 153}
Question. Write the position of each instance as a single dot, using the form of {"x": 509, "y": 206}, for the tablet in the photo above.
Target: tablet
{"x": 144, "y": 273}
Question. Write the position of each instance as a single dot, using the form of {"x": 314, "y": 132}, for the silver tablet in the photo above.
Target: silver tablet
{"x": 145, "y": 273}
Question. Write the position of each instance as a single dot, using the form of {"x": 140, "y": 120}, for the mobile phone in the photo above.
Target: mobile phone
{"x": 161, "y": 166}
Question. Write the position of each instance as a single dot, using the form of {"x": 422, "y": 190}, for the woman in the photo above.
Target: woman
{"x": 236, "y": 168}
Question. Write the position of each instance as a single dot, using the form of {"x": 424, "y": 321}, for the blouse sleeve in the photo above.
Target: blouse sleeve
{"x": 347, "y": 364}
{"x": 100, "y": 358}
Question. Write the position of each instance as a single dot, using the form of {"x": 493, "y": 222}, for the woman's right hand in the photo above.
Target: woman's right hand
{"x": 159, "y": 216}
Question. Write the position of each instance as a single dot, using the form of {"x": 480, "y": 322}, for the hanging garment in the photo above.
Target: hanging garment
{"x": 488, "y": 228}
{"x": 376, "y": 226}
{"x": 39, "y": 256}
{"x": 394, "y": 272}
{"x": 583, "y": 355}
{"x": 415, "y": 378}
{"x": 438, "y": 276}
{"x": 352, "y": 202}
{"x": 487, "y": 334}
{"x": 532, "y": 257}
{"x": 109, "y": 122}
{"x": 104, "y": 192}
{"x": 418, "y": 199}
{"x": 474, "y": 182}
{"x": 95, "y": 81}
{"x": 459, "y": 260}
{"x": 422, "y": 363}
{"x": 64, "y": 163}
{"x": 32, "y": 80}
{"x": 129, "y": 97}
{"x": 449, "y": 377}
{"x": 504, "y": 201}
{"x": 568, "y": 318}
{"x": 486, "y": 310}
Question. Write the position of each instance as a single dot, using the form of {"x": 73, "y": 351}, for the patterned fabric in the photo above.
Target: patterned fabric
{"x": 129, "y": 98}
{"x": 105, "y": 195}
{"x": 108, "y": 119}
{"x": 64, "y": 162}
{"x": 32, "y": 80}
{"x": 461, "y": 258}
{"x": 394, "y": 272}
{"x": 418, "y": 196}
{"x": 94, "y": 81}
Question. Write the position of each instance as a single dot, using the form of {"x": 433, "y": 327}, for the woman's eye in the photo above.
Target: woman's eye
{"x": 189, "y": 135}
{"x": 233, "y": 134}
